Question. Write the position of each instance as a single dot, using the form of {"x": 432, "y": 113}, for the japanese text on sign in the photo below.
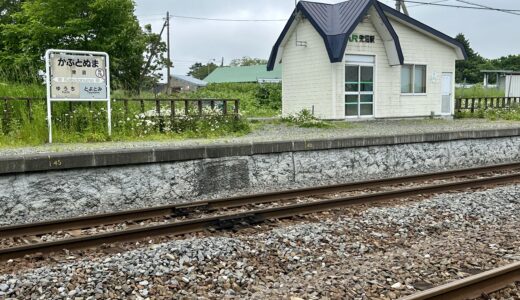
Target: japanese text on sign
{"x": 78, "y": 77}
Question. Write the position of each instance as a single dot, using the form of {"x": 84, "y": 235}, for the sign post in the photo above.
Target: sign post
{"x": 77, "y": 76}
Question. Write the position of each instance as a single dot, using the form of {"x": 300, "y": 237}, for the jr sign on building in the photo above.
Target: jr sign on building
{"x": 77, "y": 76}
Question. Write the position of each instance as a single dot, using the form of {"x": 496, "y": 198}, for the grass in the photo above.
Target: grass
{"x": 509, "y": 114}
{"x": 478, "y": 91}
{"x": 86, "y": 124}
{"x": 305, "y": 119}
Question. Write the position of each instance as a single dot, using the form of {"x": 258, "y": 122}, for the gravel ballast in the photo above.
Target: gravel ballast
{"x": 357, "y": 253}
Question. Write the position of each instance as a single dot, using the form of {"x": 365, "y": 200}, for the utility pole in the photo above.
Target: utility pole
{"x": 153, "y": 50}
{"x": 401, "y": 4}
{"x": 168, "y": 54}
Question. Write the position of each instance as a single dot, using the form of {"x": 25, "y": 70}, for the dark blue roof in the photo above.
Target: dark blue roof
{"x": 336, "y": 22}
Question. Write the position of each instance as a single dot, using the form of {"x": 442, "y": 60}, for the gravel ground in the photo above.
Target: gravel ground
{"x": 272, "y": 132}
{"x": 380, "y": 252}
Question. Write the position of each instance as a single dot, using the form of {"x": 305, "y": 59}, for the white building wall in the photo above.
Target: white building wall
{"x": 309, "y": 79}
{"x": 438, "y": 57}
{"x": 306, "y": 74}
{"x": 417, "y": 49}
{"x": 512, "y": 86}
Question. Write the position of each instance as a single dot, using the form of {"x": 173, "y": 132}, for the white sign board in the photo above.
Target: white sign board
{"x": 77, "y": 76}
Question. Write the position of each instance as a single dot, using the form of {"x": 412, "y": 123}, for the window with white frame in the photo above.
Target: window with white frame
{"x": 413, "y": 79}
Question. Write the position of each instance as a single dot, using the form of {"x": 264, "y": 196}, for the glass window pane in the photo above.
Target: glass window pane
{"x": 420, "y": 79}
{"x": 366, "y": 109}
{"x": 367, "y": 79}
{"x": 367, "y": 98}
{"x": 351, "y": 87}
{"x": 406, "y": 79}
{"x": 351, "y": 99}
{"x": 351, "y": 109}
{"x": 351, "y": 78}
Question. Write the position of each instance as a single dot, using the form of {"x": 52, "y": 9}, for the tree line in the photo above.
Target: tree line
{"x": 469, "y": 70}
{"x": 29, "y": 27}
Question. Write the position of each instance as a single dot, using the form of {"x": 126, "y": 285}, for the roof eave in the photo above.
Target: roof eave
{"x": 273, "y": 58}
{"x": 459, "y": 48}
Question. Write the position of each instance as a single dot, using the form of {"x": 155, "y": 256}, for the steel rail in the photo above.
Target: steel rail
{"x": 474, "y": 286}
{"x": 248, "y": 218}
{"x": 208, "y": 205}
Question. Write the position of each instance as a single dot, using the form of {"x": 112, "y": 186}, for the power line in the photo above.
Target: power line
{"x": 439, "y": 1}
{"x": 463, "y": 6}
{"x": 230, "y": 20}
{"x": 491, "y": 8}
{"x": 215, "y": 19}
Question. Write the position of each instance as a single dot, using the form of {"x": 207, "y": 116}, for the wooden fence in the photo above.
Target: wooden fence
{"x": 476, "y": 103}
{"x": 186, "y": 105}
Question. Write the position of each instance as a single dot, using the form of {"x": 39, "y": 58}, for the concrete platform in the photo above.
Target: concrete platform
{"x": 76, "y": 159}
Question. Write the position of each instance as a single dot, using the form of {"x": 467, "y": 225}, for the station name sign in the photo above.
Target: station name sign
{"x": 77, "y": 76}
{"x": 361, "y": 38}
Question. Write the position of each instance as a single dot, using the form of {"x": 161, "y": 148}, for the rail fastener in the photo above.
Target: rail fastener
{"x": 473, "y": 286}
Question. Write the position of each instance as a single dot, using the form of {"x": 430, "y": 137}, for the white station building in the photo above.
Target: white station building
{"x": 363, "y": 59}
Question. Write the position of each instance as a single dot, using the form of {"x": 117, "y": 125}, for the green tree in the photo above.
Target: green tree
{"x": 469, "y": 70}
{"x": 510, "y": 62}
{"x": 200, "y": 71}
{"x": 92, "y": 25}
{"x": 7, "y": 9}
{"x": 247, "y": 61}
{"x": 154, "y": 59}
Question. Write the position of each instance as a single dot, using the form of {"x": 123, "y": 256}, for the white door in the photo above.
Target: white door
{"x": 447, "y": 91}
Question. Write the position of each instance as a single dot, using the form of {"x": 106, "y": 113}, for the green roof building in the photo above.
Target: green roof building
{"x": 257, "y": 73}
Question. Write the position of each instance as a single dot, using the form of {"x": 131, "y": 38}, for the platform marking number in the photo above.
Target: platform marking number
{"x": 55, "y": 163}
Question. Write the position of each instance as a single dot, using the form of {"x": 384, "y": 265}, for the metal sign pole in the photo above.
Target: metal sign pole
{"x": 109, "y": 106}
{"x": 49, "y": 108}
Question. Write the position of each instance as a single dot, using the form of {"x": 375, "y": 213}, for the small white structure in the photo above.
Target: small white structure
{"x": 512, "y": 85}
{"x": 363, "y": 59}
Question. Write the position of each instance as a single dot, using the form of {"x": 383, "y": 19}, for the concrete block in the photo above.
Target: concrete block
{"x": 272, "y": 147}
{"x": 118, "y": 157}
{"x": 70, "y": 161}
{"x": 12, "y": 165}
{"x": 347, "y": 142}
{"x": 229, "y": 150}
{"x": 179, "y": 154}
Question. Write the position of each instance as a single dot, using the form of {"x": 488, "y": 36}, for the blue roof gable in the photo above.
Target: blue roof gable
{"x": 336, "y": 22}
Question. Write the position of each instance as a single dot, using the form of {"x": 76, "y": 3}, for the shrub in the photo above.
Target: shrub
{"x": 478, "y": 90}
{"x": 256, "y": 100}
{"x": 304, "y": 118}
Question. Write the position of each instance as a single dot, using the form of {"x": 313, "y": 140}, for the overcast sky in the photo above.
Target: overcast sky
{"x": 491, "y": 33}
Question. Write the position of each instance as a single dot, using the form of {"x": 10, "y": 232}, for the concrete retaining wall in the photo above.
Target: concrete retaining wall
{"x": 39, "y": 194}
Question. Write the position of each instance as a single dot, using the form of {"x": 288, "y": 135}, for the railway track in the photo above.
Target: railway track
{"x": 474, "y": 286}
{"x": 248, "y": 217}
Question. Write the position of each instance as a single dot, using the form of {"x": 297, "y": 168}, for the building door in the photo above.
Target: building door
{"x": 359, "y": 86}
{"x": 447, "y": 91}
